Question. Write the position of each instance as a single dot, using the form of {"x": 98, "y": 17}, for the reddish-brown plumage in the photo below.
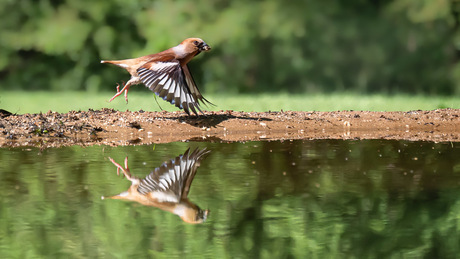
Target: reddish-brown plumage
{"x": 166, "y": 73}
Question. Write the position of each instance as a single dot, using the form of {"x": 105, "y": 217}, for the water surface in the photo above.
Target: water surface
{"x": 303, "y": 199}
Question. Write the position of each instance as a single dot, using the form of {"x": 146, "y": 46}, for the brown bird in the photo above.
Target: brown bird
{"x": 167, "y": 75}
{"x": 167, "y": 187}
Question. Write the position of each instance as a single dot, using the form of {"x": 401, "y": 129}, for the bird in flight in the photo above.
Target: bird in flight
{"x": 167, "y": 75}
{"x": 167, "y": 187}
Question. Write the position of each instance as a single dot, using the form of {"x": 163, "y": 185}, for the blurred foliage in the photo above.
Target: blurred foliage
{"x": 292, "y": 199}
{"x": 399, "y": 46}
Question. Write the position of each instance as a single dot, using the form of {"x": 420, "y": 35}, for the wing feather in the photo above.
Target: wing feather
{"x": 171, "y": 181}
{"x": 193, "y": 88}
{"x": 174, "y": 83}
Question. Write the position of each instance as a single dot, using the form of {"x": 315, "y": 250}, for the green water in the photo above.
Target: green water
{"x": 292, "y": 199}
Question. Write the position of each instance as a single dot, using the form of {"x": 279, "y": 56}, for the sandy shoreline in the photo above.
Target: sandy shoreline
{"x": 111, "y": 127}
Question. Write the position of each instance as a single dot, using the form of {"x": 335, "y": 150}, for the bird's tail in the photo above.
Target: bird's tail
{"x": 121, "y": 196}
{"x": 120, "y": 63}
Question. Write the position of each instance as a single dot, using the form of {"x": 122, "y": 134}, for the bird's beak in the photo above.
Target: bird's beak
{"x": 204, "y": 47}
{"x": 205, "y": 215}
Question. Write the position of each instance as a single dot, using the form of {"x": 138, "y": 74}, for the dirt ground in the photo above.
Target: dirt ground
{"x": 111, "y": 127}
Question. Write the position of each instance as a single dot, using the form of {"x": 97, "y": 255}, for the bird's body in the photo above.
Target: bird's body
{"x": 167, "y": 187}
{"x": 166, "y": 74}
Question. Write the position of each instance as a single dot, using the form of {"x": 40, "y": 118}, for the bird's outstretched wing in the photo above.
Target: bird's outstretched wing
{"x": 192, "y": 86}
{"x": 173, "y": 83}
{"x": 171, "y": 181}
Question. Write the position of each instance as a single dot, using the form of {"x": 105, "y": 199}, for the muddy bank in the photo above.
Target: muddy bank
{"x": 111, "y": 127}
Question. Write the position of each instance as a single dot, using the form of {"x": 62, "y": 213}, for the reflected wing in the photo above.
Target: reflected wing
{"x": 196, "y": 156}
{"x": 173, "y": 83}
{"x": 171, "y": 181}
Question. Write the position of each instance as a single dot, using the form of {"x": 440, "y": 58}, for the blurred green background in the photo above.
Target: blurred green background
{"x": 310, "y": 46}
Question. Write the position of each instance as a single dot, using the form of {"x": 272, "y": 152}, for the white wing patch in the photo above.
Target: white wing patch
{"x": 159, "y": 66}
{"x": 165, "y": 197}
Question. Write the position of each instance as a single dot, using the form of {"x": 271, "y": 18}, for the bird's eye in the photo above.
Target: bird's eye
{"x": 195, "y": 42}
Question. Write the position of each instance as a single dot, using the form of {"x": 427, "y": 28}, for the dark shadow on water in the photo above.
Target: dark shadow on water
{"x": 210, "y": 139}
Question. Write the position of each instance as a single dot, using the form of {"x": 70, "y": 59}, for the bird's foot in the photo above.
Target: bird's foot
{"x": 125, "y": 89}
{"x": 125, "y": 170}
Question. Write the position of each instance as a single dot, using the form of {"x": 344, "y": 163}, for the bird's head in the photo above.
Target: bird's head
{"x": 196, "y": 44}
{"x": 195, "y": 215}
{"x": 189, "y": 48}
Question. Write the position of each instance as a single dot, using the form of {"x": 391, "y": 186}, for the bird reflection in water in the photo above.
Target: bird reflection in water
{"x": 167, "y": 187}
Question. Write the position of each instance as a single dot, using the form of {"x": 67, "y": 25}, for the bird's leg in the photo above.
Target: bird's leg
{"x": 118, "y": 86}
{"x": 126, "y": 95}
{"x": 125, "y": 89}
{"x": 126, "y": 163}
{"x": 125, "y": 170}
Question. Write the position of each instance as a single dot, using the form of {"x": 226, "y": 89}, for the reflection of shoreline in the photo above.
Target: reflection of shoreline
{"x": 167, "y": 187}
